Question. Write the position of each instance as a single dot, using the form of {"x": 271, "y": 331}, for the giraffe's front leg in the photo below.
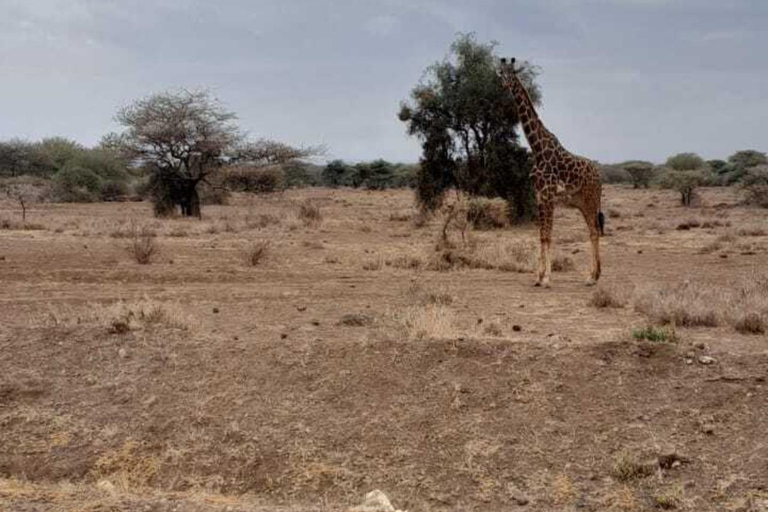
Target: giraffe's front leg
{"x": 546, "y": 213}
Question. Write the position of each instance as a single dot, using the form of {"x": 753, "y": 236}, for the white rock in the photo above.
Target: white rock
{"x": 707, "y": 360}
{"x": 375, "y": 501}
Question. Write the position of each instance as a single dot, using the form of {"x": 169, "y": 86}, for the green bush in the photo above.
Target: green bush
{"x": 112, "y": 190}
{"x": 76, "y": 185}
{"x": 257, "y": 180}
{"x": 756, "y": 186}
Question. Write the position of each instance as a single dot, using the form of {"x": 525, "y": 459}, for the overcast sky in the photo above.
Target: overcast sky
{"x": 621, "y": 79}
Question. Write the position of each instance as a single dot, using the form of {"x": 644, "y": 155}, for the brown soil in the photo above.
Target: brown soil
{"x": 338, "y": 363}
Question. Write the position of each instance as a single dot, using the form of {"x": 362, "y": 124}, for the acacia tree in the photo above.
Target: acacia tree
{"x": 466, "y": 120}
{"x": 186, "y": 138}
{"x": 640, "y": 172}
{"x": 685, "y": 172}
{"x": 181, "y": 138}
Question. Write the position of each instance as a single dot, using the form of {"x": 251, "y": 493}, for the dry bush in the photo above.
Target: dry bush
{"x": 689, "y": 224}
{"x": 514, "y": 257}
{"x": 688, "y": 304}
{"x": 309, "y": 213}
{"x": 142, "y": 245}
{"x": 432, "y": 321}
{"x": 255, "y": 252}
{"x": 178, "y": 232}
{"x": 485, "y": 213}
{"x": 429, "y": 296}
{"x": 122, "y": 316}
{"x": 374, "y": 264}
{"x": 562, "y": 263}
{"x": 605, "y": 297}
{"x": 261, "y": 221}
{"x": 21, "y": 226}
{"x": 401, "y": 216}
{"x": 751, "y": 231}
{"x": 405, "y": 261}
{"x": 751, "y": 323}
{"x": 744, "y": 305}
{"x": 627, "y": 467}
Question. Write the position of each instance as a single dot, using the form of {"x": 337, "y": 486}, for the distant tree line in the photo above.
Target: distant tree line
{"x": 685, "y": 172}
{"x": 70, "y": 171}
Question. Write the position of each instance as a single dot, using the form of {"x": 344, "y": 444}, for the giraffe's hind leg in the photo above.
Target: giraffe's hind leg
{"x": 589, "y": 205}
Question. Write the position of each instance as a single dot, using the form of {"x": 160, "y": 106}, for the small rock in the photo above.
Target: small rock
{"x": 215, "y": 310}
{"x": 688, "y": 361}
{"x": 640, "y": 251}
{"x": 283, "y": 336}
{"x": 301, "y": 309}
{"x": 375, "y": 501}
{"x": 708, "y": 428}
{"x": 122, "y": 353}
{"x": 700, "y": 345}
{"x": 706, "y": 360}
{"x": 150, "y": 401}
{"x": 517, "y": 328}
{"x": 669, "y": 458}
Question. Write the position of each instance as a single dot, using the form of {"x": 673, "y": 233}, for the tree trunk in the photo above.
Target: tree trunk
{"x": 190, "y": 201}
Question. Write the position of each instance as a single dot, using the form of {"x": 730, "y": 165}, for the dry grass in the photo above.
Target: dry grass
{"x": 309, "y": 213}
{"x": 562, "y": 263}
{"x": 607, "y": 297}
{"x": 256, "y": 252}
{"x": 433, "y": 321}
{"x": 751, "y": 231}
{"x": 704, "y": 304}
{"x": 627, "y": 467}
{"x": 509, "y": 257}
{"x": 142, "y": 245}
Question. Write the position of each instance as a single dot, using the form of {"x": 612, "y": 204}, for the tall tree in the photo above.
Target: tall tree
{"x": 466, "y": 121}
{"x": 184, "y": 139}
{"x": 181, "y": 138}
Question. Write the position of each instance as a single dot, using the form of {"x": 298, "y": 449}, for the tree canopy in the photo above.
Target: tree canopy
{"x": 465, "y": 119}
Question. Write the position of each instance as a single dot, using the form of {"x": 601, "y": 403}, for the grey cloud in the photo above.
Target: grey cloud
{"x": 621, "y": 78}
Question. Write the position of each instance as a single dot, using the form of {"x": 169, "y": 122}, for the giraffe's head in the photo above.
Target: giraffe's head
{"x": 507, "y": 68}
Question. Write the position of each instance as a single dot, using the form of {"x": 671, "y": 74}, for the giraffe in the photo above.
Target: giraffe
{"x": 556, "y": 172}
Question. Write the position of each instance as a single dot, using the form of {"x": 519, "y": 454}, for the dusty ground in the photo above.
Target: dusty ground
{"x": 341, "y": 363}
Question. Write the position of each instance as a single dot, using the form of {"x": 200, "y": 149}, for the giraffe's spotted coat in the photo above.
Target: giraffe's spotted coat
{"x": 556, "y": 172}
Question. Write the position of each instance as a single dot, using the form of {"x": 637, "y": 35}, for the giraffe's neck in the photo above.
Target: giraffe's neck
{"x": 536, "y": 133}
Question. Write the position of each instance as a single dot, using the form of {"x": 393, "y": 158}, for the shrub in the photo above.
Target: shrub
{"x": 685, "y": 182}
{"x": 76, "y": 185}
{"x": 687, "y": 304}
{"x": 255, "y": 179}
{"x": 756, "y": 186}
{"x": 606, "y": 298}
{"x": 309, "y": 212}
{"x": 562, "y": 264}
{"x": 614, "y": 174}
{"x": 485, "y": 213}
{"x": 142, "y": 245}
{"x": 751, "y": 323}
{"x": 651, "y": 333}
{"x": 255, "y": 253}
{"x": 640, "y": 173}
{"x": 112, "y": 190}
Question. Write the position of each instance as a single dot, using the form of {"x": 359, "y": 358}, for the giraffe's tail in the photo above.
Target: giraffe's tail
{"x": 601, "y": 223}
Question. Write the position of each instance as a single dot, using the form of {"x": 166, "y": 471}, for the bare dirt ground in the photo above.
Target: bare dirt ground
{"x": 341, "y": 362}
